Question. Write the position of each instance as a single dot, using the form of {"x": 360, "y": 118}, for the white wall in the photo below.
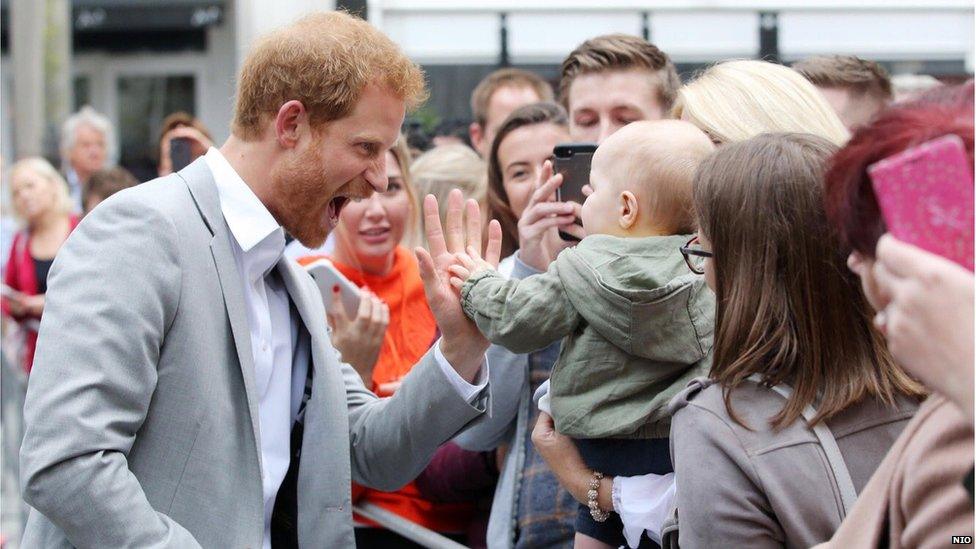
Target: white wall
{"x": 256, "y": 17}
{"x": 544, "y": 31}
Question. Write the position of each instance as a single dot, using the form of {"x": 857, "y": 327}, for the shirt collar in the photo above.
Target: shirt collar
{"x": 251, "y": 224}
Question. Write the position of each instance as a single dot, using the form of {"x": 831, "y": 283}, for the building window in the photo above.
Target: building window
{"x": 143, "y": 103}
{"x": 82, "y": 92}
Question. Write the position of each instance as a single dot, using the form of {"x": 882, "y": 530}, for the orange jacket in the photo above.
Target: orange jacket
{"x": 410, "y": 334}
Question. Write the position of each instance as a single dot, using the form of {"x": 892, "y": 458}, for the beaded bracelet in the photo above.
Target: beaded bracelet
{"x": 591, "y": 498}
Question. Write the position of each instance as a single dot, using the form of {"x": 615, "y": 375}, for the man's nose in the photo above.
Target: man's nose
{"x": 375, "y": 175}
{"x": 606, "y": 130}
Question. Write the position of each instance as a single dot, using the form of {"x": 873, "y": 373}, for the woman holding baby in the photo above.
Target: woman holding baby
{"x": 803, "y": 400}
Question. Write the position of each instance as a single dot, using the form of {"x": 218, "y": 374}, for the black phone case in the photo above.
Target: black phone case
{"x": 179, "y": 153}
{"x": 573, "y": 161}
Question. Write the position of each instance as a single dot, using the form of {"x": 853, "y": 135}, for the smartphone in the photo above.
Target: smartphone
{"x": 328, "y": 277}
{"x": 573, "y": 161}
{"x": 926, "y": 197}
{"x": 179, "y": 153}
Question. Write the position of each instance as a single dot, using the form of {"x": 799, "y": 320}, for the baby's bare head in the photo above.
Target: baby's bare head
{"x": 656, "y": 161}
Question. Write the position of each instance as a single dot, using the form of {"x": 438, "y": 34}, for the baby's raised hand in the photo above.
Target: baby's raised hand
{"x": 466, "y": 265}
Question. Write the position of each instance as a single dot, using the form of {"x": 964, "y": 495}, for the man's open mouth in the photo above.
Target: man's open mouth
{"x": 335, "y": 208}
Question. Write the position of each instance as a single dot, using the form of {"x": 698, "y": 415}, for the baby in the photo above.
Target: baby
{"x": 637, "y": 322}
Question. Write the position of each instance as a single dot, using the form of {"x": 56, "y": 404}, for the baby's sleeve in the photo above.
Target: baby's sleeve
{"x": 520, "y": 315}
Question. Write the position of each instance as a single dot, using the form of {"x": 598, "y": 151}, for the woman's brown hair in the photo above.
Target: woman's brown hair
{"x": 788, "y": 308}
{"x": 498, "y": 203}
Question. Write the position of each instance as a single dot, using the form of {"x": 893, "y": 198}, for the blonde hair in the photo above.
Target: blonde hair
{"x": 323, "y": 60}
{"x": 48, "y": 173}
{"x": 735, "y": 100}
{"x": 447, "y": 167}
{"x": 401, "y": 152}
{"x": 657, "y": 159}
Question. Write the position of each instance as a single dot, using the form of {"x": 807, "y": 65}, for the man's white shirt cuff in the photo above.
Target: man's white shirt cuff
{"x": 469, "y": 392}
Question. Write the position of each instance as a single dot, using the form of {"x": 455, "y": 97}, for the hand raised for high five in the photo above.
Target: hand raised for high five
{"x": 461, "y": 342}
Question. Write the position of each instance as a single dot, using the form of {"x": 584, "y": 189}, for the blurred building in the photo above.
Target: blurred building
{"x": 459, "y": 42}
{"x": 138, "y": 60}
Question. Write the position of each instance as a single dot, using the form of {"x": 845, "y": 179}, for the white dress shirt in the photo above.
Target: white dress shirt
{"x": 280, "y": 362}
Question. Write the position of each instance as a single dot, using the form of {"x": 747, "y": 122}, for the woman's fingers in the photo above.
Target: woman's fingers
{"x": 547, "y": 190}
{"x": 376, "y": 315}
{"x": 541, "y": 226}
{"x": 543, "y": 210}
{"x": 899, "y": 258}
{"x": 386, "y": 315}
{"x": 365, "y": 311}
{"x": 336, "y": 311}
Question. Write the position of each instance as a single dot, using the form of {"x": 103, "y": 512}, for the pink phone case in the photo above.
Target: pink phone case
{"x": 926, "y": 197}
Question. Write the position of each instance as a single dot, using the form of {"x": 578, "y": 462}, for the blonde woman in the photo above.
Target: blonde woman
{"x": 735, "y": 100}
{"x": 443, "y": 168}
{"x": 41, "y": 202}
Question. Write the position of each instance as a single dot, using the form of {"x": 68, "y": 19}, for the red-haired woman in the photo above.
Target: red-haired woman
{"x": 917, "y": 497}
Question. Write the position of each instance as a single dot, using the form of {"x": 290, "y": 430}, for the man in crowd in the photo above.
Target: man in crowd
{"x": 856, "y": 88}
{"x": 85, "y": 140}
{"x": 185, "y": 392}
{"x": 612, "y": 80}
{"x": 496, "y": 96}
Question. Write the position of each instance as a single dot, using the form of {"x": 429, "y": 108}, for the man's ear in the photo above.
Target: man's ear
{"x": 476, "y": 132}
{"x": 628, "y": 210}
{"x": 291, "y": 123}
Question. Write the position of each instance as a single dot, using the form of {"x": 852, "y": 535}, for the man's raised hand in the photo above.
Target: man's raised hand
{"x": 462, "y": 344}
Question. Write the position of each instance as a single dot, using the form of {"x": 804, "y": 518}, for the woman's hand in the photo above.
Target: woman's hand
{"x": 359, "y": 339}
{"x": 23, "y": 305}
{"x": 199, "y": 144}
{"x": 539, "y": 226}
{"x": 927, "y": 317}
{"x": 34, "y": 305}
{"x": 563, "y": 458}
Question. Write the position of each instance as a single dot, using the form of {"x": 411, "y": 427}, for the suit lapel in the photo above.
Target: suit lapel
{"x": 200, "y": 181}
{"x": 323, "y": 477}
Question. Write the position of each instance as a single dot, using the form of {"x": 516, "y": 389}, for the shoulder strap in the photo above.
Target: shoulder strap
{"x": 838, "y": 467}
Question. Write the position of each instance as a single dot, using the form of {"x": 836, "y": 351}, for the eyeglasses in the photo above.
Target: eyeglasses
{"x": 695, "y": 256}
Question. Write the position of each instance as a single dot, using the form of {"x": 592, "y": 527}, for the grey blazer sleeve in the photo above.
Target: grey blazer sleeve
{"x": 112, "y": 293}
{"x": 508, "y": 378}
{"x": 393, "y": 439}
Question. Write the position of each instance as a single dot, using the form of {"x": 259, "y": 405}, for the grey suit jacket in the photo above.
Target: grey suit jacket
{"x": 141, "y": 416}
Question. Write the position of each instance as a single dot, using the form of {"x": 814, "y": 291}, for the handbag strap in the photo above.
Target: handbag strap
{"x": 835, "y": 459}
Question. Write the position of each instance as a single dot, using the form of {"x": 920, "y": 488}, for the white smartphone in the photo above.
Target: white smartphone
{"x": 328, "y": 277}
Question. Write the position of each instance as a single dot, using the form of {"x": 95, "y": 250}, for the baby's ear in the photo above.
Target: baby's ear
{"x": 628, "y": 210}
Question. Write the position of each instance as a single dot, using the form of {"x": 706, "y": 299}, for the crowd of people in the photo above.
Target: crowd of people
{"x": 720, "y": 346}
